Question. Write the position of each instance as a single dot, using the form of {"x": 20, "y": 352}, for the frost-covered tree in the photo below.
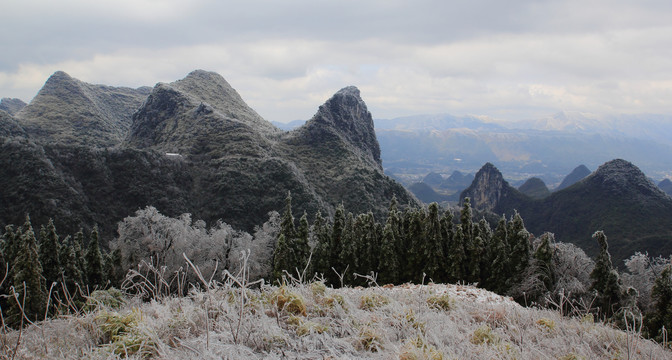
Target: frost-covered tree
{"x": 433, "y": 254}
{"x": 48, "y": 250}
{"x": 661, "y": 316}
{"x": 519, "y": 246}
{"x": 29, "y": 287}
{"x": 95, "y": 275}
{"x": 71, "y": 274}
{"x": 606, "y": 281}
{"x": 320, "y": 237}
{"x": 642, "y": 274}
{"x": 499, "y": 258}
{"x": 457, "y": 256}
{"x": 389, "y": 265}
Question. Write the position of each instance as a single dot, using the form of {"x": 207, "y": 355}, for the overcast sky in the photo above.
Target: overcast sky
{"x": 505, "y": 59}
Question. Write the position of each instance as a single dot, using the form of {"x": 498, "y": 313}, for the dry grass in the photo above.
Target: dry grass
{"x": 405, "y": 322}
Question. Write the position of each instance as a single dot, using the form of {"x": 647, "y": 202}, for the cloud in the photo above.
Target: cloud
{"x": 502, "y": 59}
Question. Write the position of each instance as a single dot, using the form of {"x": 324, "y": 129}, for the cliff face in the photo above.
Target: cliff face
{"x": 490, "y": 192}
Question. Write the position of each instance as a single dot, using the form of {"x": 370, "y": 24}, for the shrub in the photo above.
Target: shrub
{"x": 111, "y": 298}
{"x": 372, "y": 301}
{"x": 441, "y": 302}
{"x": 483, "y": 335}
{"x": 288, "y": 301}
{"x": 123, "y": 336}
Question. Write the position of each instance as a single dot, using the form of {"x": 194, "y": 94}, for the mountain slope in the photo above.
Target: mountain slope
{"x": 666, "y": 186}
{"x": 575, "y": 176}
{"x": 11, "y": 106}
{"x": 73, "y": 112}
{"x": 534, "y": 188}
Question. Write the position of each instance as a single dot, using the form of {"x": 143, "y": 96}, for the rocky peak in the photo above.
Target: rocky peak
{"x": 487, "y": 188}
{"x": 11, "y": 106}
{"x": 211, "y": 89}
{"x": 345, "y": 116}
{"x": 575, "y": 176}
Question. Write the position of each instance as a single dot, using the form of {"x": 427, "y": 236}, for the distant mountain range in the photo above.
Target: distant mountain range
{"x": 617, "y": 198}
{"x": 93, "y": 154}
{"x": 547, "y": 148}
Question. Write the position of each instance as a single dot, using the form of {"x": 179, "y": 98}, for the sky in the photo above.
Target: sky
{"x": 508, "y": 60}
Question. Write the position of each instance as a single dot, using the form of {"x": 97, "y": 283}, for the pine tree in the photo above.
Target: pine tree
{"x": 433, "y": 254}
{"x": 485, "y": 244}
{"x": 661, "y": 316}
{"x": 94, "y": 261}
{"x": 322, "y": 252}
{"x": 302, "y": 248}
{"x": 78, "y": 248}
{"x": 416, "y": 241}
{"x": 389, "y": 265}
{"x": 281, "y": 258}
{"x": 349, "y": 256}
{"x": 457, "y": 256}
{"x": 605, "y": 279}
{"x": 287, "y": 225}
{"x": 499, "y": 256}
{"x": 48, "y": 251}
{"x": 447, "y": 234}
{"x": 112, "y": 268}
{"x": 519, "y": 242}
{"x": 466, "y": 219}
{"x": 10, "y": 244}
{"x": 543, "y": 257}
{"x": 336, "y": 246}
{"x": 28, "y": 282}
{"x": 71, "y": 273}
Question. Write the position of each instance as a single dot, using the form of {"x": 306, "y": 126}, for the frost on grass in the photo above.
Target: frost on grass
{"x": 312, "y": 321}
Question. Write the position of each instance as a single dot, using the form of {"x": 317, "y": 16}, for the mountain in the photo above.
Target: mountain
{"x": 433, "y": 179}
{"x": 9, "y": 126}
{"x": 666, "y": 186}
{"x": 457, "y": 181}
{"x": 191, "y": 146}
{"x": 426, "y": 194}
{"x": 73, "y": 112}
{"x": 617, "y": 198}
{"x": 534, "y": 188}
{"x": 548, "y": 148}
{"x": 575, "y": 176}
{"x": 288, "y": 126}
{"x": 11, "y": 106}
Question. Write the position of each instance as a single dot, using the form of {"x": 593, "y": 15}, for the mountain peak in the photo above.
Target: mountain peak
{"x": 344, "y": 116}
{"x": 575, "y": 176}
{"x": 487, "y": 188}
{"x": 11, "y": 106}
{"x": 535, "y": 188}
{"x": 623, "y": 178}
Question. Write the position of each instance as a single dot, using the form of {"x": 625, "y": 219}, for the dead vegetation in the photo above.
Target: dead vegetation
{"x": 236, "y": 319}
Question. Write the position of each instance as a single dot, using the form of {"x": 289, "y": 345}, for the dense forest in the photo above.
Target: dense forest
{"x": 412, "y": 245}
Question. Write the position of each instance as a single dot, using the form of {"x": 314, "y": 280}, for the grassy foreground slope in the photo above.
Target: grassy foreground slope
{"x": 311, "y": 321}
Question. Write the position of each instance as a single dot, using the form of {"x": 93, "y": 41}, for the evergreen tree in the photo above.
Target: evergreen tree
{"x": 287, "y": 225}
{"x": 543, "y": 257}
{"x": 302, "y": 248}
{"x": 499, "y": 256}
{"x": 10, "y": 243}
{"x": 94, "y": 261}
{"x": 484, "y": 246}
{"x": 281, "y": 258}
{"x": 48, "y": 252}
{"x": 336, "y": 246}
{"x": 322, "y": 252}
{"x": 606, "y": 281}
{"x": 349, "y": 257}
{"x": 416, "y": 240}
{"x": 466, "y": 219}
{"x": 433, "y": 254}
{"x": 389, "y": 265}
{"x": 27, "y": 281}
{"x": 457, "y": 256}
{"x": 475, "y": 253}
{"x": 662, "y": 314}
{"x": 71, "y": 273}
{"x": 519, "y": 241}
{"x": 447, "y": 233}
{"x": 78, "y": 248}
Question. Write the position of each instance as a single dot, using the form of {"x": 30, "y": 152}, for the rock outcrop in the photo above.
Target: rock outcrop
{"x": 490, "y": 192}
